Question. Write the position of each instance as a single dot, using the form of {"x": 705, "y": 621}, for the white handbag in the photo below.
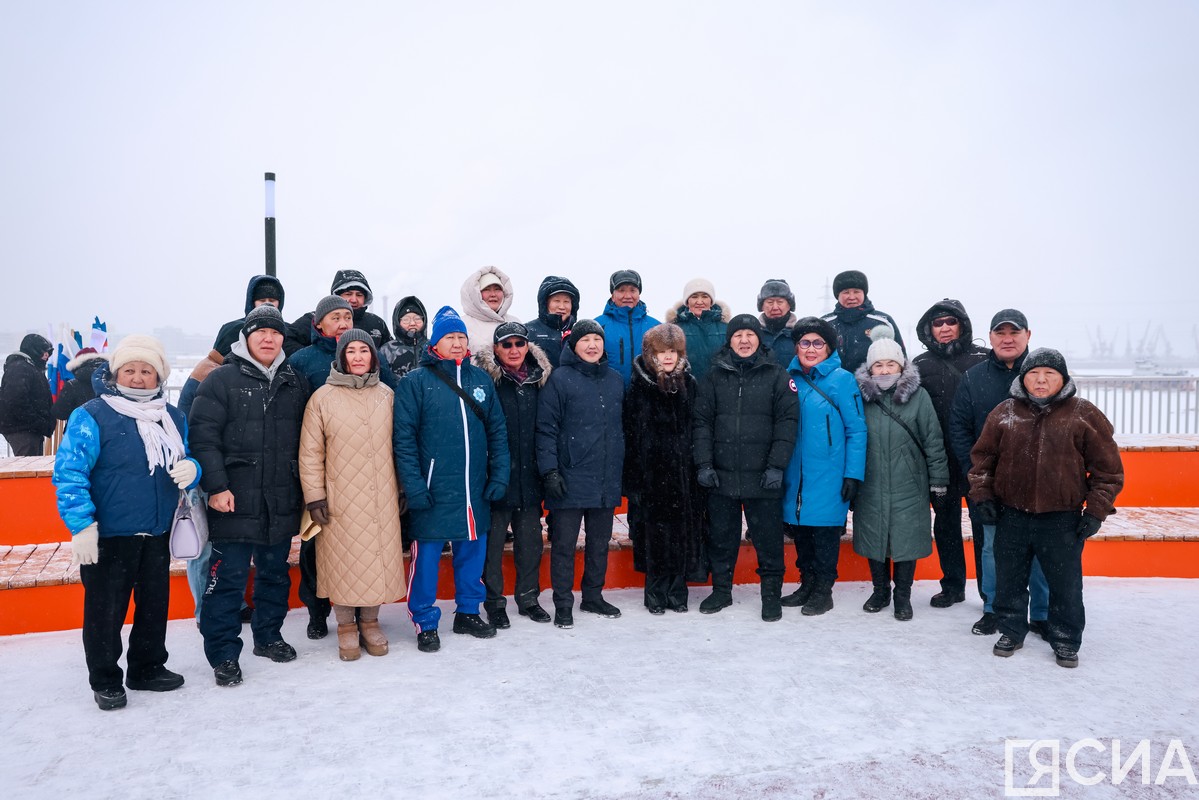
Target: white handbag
{"x": 189, "y": 531}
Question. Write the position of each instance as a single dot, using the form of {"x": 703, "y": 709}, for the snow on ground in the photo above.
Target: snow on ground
{"x": 848, "y": 705}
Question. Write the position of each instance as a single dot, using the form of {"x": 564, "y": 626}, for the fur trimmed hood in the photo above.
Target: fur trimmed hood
{"x": 539, "y": 373}
{"x": 641, "y": 373}
{"x": 680, "y": 311}
{"x": 82, "y": 358}
{"x": 905, "y": 387}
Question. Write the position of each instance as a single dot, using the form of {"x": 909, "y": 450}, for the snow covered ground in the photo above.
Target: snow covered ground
{"x": 848, "y": 705}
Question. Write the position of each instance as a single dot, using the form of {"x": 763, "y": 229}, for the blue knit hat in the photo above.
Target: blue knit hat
{"x": 446, "y": 320}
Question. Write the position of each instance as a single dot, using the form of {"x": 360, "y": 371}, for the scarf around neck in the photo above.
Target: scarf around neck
{"x": 160, "y": 437}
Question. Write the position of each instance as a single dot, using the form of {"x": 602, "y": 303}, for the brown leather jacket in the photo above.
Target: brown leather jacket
{"x": 1047, "y": 458}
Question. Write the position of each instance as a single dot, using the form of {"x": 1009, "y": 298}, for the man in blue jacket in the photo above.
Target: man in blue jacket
{"x": 451, "y": 451}
{"x": 624, "y": 322}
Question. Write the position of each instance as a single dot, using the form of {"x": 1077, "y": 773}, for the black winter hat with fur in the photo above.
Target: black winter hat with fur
{"x": 815, "y": 325}
{"x": 776, "y": 287}
{"x": 850, "y": 279}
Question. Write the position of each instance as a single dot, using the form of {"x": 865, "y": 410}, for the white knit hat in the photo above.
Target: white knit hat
{"x": 699, "y": 285}
{"x": 140, "y": 347}
{"x": 884, "y": 347}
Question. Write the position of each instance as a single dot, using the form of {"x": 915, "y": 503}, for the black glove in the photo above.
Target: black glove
{"x": 708, "y": 478}
{"x": 494, "y": 492}
{"x": 849, "y": 489}
{"x": 939, "y": 497}
{"x": 772, "y": 478}
{"x": 986, "y": 512}
{"x": 1088, "y": 526}
{"x": 420, "y": 501}
{"x": 403, "y": 503}
{"x": 319, "y": 511}
{"x": 555, "y": 487}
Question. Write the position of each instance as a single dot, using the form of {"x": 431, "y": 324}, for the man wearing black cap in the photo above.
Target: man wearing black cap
{"x": 25, "y": 399}
{"x": 746, "y": 422}
{"x": 983, "y": 387}
{"x": 776, "y": 301}
{"x": 519, "y": 369}
{"x": 854, "y": 317}
{"x": 352, "y": 286}
{"x": 624, "y": 321}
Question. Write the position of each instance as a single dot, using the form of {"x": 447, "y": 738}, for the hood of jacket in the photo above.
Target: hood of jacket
{"x": 778, "y": 324}
{"x": 924, "y": 329}
{"x": 820, "y": 370}
{"x": 536, "y": 361}
{"x": 242, "y": 351}
{"x": 472, "y": 301}
{"x": 624, "y": 313}
{"x": 400, "y": 333}
{"x": 905, "y": 387}
{"x": 724, "y": 358}
{"x": 717, "y": 313}
{"x": 1017, "y": 390}
{"x": 640, "y": 373}
{"x": 554, "y": 285}
{"x": 570, "y": 358}
{"x": 343, "y": 279}
{"x": 253, "y": 284}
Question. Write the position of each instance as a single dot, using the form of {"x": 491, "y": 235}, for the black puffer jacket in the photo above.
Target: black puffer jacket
{"x": 942, "y": 367}
{"x": 580, "y": 433}
{"x": 548, "y": 331}
{"x": 78, "y": 390}
{"x": 25, "y": 397}
{"x": 245, "y": 432}
{"x": 853, "y": 331}
{"x": 746, "y": 420}
{"x": 403, "y": 353}
{"x": 983, "y": 386}
{"x": 231, "y": 330}
{"x": 519, "y": 401}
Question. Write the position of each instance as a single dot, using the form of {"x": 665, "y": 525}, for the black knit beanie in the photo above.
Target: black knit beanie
{"x": 582, "y": 328}
{"x": 742, "y": 322}
{"x": 1045, "y": 357}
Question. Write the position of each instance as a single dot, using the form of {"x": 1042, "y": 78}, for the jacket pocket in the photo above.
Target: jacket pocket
{"x": 828, "y": 427}
{"x": 429, "y": 477}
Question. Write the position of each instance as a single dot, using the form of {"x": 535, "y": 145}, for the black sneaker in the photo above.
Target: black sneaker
{"x": 428, "y": 641}
{"x": 536, "y": 613}
{"x": 499, "y": 618}
{"x": 279, "y": 651}
{"x": 945, "y": 599}
{"x": 109, "y": 699}
{"x": 601, "y": 607}
{"x": 1065, "y": 655}
{"x": 987, "y": 625}
{"x": 714, "y": 602}
{"x": 1040, "y": 628}
{"x": 1006, "y": 646}
{"x": 798, "y": 597}
{"x": 227, "y": 673}
{"x": 159, "y": 679}
{"x": 318, "y": 626}
{"x": 564, "y": 618}
{"x": 474, "y": 625}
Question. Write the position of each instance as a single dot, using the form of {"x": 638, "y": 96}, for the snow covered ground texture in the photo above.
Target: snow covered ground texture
{"x": 848, "y": 705}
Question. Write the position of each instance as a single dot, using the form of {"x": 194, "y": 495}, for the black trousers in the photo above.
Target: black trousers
{"x": 666, "y": 590}
{"x": 317, "y": 606}
{"x": 817, "y": 550}
{"x": 564, "y": 536}
{"x": 220, "y": 613}
{"x": 25, "y": 444}
{"x": 1052, "y": 538}
{"x": 527, "y": 547}
{"x": 140, "y": 565}
{"x": 764, "y": 525}
{"x": 947, "y": 533}
{"x": 976, "y": 530}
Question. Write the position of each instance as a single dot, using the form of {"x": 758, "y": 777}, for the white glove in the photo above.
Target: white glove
{"x": 183, "y": 473}
{"x": 85, "y": 546}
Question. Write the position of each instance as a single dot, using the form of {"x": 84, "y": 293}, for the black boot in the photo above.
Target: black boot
{"x": 880, "y": 576}
{"x": 905, "y": 572}
{"x": 820, "y": 601}
{"x": 721, "y": 597}
{"x": 772, "y": 607}
{"x": 799, "y": 596}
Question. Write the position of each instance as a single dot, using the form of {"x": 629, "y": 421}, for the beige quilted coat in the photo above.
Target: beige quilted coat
{"x": 346, "y": 459}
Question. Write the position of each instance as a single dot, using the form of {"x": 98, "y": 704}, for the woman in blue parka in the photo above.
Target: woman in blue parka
{"x": 451, "y": 452}
{"x": 117, "y": 474}
{"x": 828, "y": 464}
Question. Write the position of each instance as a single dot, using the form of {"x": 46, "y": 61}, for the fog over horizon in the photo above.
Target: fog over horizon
{"x": 1005, "y": 154}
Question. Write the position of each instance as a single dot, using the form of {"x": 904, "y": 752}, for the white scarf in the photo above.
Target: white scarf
{"x": 164, "y": 445}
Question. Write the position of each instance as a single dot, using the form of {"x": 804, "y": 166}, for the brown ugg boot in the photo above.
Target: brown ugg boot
{"x": 347, "y": 641}
{"x": 372, "y": 637}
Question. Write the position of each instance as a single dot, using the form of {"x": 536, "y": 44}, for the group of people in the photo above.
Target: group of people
{"x": 462, "y": 431}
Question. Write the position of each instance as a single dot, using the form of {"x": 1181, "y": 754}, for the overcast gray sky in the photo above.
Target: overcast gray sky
{"x": 1041, "y": 155}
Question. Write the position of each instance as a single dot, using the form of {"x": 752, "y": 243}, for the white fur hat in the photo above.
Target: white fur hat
{"x": 884, "y": 347}
{"x": 699, "y": 285}
{"x": 139, "y": 347}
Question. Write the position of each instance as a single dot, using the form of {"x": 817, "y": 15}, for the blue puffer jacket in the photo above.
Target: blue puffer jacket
{"x": 316, "y": 360}
{"x": 623, "y": 329}
{"x": 449, "y": 463}
{"x": 580, "y": 432}
{"x": 831, "y": 445}
{"x": 101, "y": 474}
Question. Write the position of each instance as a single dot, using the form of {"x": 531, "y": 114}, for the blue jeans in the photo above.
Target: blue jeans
{"x": 1038, "y": 587}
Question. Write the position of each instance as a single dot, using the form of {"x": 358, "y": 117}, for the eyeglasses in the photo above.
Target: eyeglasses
{"x": 815, "y": 344}
{"x": 508, "y": 344}
{"x": 941, "y": 322}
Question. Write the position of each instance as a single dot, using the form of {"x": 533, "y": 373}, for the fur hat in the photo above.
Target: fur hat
{"x": 265, "y": 316}
{"x": 328, "y": 305}
{"x": 699, "y": 285}
{"x": 35, "y": 346}
{"x": 83, "y": 356}
{"x": 346, "y": 279}
{"x": 356, "y": 335}
{"x": 622, "y": 276}
{"x": 742, "y": 322}
{"x": 1045, "y": 357}
{"x": 815, "y": 325}
{"x": 446, "y": 320}
{"x": 139, "y": 347}
{"x": 776, "y": 287}
{"x": 507, "y": 330}
{"x": 850, "y": 279}
{"x": 884, "y": 347}
{"x": 664, "y": 337}
{"x": 582, "y": 328}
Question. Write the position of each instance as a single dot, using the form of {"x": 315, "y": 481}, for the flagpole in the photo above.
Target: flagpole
{"x": 270, "y": 223}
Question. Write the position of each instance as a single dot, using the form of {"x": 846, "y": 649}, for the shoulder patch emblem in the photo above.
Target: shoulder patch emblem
{"x": 479, "y": 394}
{"x": 791, "y": 383}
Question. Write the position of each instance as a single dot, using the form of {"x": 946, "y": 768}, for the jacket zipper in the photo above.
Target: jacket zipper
{"x": 740, "y": 386}
{"x": 470, "y": 516}
{"x": 828, "y": 426}
{"x": 429, "y": 479}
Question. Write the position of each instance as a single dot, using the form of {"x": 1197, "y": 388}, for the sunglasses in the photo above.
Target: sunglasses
{"x": 941, "y": 322}
{"x": 816, "y": 344}
{"x": 508, "y": 344}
